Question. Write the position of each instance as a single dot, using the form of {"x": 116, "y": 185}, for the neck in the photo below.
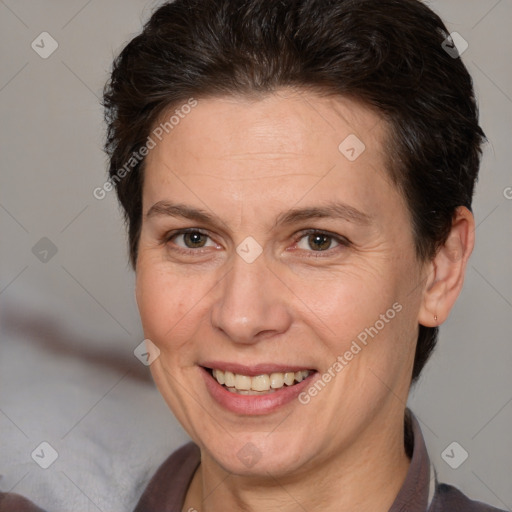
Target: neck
{"x": 366, "y": 477}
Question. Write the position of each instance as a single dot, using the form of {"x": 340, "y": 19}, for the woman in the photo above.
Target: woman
{"x": 297, "y": 180}
{"x": 299, "y": 227}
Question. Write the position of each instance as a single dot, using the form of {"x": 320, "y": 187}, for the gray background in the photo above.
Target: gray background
{"x": 70, "y": 324}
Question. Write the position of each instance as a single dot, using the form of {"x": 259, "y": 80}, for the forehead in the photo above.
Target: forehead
{"x": 282, "y": 146}
{"x": 285, "y": 124}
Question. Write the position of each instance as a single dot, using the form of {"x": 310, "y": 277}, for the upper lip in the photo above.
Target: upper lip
{"x": 253, "y": 370}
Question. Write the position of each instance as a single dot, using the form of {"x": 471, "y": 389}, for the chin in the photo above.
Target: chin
{"x": 259, "y": 455}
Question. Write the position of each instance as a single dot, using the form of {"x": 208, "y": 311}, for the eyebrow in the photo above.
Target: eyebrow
{"x": 179, "y": 210}
{"x": 333, "y": 210}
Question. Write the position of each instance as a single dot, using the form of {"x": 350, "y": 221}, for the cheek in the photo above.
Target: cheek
{"x": 169, "y": 304}
{"x": 351, "y": 302}
{"x": 371, "y": 318}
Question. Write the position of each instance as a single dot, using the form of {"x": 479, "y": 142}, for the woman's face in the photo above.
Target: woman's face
{"x": 251, "y": 290}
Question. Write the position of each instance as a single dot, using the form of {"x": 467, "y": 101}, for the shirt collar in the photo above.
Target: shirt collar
{"x": 417, "y": 490}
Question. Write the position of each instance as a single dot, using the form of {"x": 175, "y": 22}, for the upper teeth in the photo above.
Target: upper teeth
{"x": 260, "y": 382}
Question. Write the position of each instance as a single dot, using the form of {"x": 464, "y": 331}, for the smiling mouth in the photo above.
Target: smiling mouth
{"x": 259, "y": 384}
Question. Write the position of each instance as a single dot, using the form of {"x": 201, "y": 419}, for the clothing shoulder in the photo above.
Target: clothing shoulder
{"x": 10, "y": 502}
{"x": 167, "y": 488}
{"x": 450, "y": 499}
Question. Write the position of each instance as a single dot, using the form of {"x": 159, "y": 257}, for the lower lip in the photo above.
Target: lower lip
{"x": 253, "y": 404}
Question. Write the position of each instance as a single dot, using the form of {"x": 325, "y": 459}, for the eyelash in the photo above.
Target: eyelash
{"x": 342, "y": 241}
{"x": 173, "y": 234}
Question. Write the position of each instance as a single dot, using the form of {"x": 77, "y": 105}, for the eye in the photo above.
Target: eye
{"x": 314, "y": 240}
{"x": 192, "y": 239}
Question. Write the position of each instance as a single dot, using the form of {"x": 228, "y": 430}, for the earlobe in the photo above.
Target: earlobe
{"x": 445, "y": 278}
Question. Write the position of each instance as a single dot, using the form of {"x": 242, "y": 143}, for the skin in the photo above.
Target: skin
{"x": 245, "y": 162}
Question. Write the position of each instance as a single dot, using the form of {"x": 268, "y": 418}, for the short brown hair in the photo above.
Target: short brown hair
{"x": 388, "y": 54}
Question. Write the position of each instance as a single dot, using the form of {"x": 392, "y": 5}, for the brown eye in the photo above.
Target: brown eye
{"x": 194, "y": 239}
{"x": 187, "y": 240}
{"x": 319, "y": 241}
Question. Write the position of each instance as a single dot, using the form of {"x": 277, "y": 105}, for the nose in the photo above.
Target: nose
{"x": 253, "y": 303}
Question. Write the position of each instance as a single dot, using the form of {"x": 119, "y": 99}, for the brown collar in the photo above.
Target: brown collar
{"x": 414, "y": 494}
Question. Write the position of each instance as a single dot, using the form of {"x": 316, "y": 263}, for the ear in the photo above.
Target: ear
{"x": 445, "y": 273}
